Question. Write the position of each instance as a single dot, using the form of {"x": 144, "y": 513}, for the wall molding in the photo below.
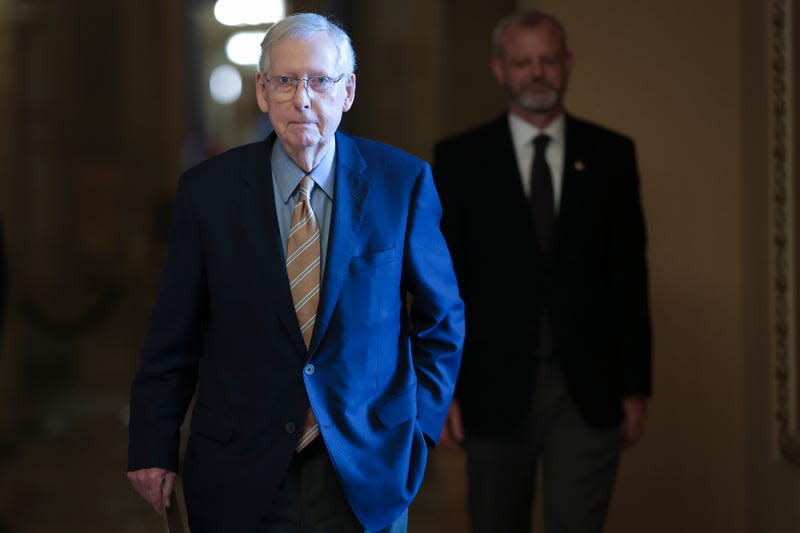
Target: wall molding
{"x": 784, "y": 239}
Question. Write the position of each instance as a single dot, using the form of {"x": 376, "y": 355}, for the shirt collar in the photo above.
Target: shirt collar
{"x": 287, "y": 174}
{"x": 522, "y": 132}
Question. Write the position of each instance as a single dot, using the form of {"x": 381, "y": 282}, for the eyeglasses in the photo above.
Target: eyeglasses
{"x": 286, "y": 85}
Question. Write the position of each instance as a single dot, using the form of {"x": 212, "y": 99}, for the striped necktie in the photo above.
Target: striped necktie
{"x": 303, "y": 268}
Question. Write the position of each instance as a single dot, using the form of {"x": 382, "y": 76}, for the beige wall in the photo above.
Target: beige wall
{"x": 688, "y": 81}
{"x": 773, "y": 485}
{"x": 423, "y": 69}
{"x": 668, "y": 73}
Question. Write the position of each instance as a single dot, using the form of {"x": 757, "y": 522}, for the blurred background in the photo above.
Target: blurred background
{"x": 104, "y": 102}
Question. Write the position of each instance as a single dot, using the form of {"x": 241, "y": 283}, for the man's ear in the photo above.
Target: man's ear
{"x": 261, "y": 92}
{"x": 350, "y": 87}
{"x": 496, "y": 64}
{"x": 569, "y": 60}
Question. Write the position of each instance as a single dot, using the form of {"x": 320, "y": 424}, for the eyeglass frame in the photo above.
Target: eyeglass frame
{"x": 296, "y": 83}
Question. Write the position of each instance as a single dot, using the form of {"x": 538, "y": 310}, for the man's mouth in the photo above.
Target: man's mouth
{"x": 539, "y": 87}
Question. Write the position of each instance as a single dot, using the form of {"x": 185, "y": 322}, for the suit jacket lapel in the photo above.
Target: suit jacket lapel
{"x": 504, "y": 159}
{"x": 260, "y": 226}
{"x": 350, "y": 194}
{"x": 507, "y": 183}
{"x": 574, "y": 167}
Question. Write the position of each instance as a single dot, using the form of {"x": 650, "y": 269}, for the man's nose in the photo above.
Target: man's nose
{"x": 302, "y": 93}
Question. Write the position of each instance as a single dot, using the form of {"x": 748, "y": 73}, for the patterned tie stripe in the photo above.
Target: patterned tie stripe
{"x": 303, "y": 268}
{"x": 310, "y": 431}
{"x": 303, "y": 261}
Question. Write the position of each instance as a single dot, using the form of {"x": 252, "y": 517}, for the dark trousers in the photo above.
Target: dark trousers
{"x": 311, "y": 499}
{"x": 579, "y": 467}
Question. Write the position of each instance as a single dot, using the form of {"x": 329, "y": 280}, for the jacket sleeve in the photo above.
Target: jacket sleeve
{"x": 629, "y": 277}
{"x": 436, "y": 311}
{"x": 165, "y": 382}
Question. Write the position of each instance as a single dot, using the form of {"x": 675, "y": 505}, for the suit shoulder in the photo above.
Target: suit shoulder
{"x": 587, "y": 129}
{"x": 376, "y": 152}
{"x": 227, "y": 162}
{"x": 475, "y": 136}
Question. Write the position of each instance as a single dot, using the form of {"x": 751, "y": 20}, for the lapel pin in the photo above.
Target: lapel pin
{"x": 580, "y": 166}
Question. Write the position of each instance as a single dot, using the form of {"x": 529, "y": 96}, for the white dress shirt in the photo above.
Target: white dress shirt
{"x": 522, "y": 135}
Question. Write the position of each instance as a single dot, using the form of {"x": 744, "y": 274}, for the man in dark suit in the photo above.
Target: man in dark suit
{"x": 318, "y": 390}
{"x": 543, "y": 218}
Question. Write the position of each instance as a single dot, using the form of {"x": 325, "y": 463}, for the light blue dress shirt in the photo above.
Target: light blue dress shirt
{"x": 286, "y": 177}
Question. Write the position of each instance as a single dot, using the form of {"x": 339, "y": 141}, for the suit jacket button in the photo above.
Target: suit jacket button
{"x": 290, "y": 427}
{"x": 309, "y": 369}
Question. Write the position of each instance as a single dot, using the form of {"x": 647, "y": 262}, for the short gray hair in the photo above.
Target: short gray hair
{"x": 525, "y": 19}
{"x": 304, "y": 26}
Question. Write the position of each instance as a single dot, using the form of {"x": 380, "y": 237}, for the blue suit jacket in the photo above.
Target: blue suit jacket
{"x": 381, "y": 368}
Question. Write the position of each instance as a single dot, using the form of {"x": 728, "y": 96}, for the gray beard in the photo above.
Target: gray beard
{"x": 540, "y": 105}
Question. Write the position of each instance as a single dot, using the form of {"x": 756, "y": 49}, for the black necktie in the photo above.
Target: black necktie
{"x": 542, "y": 196}
{"x": 544, "y": 219}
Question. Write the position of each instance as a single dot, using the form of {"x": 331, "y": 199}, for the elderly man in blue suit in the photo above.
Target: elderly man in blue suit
{"x": 320, "y": 385}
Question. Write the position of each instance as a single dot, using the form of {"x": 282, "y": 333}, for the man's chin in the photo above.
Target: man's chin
{"x": 544, "y": 104}
{"x": 300, "y": 140}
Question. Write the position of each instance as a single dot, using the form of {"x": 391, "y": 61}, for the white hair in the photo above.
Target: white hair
{"x": 304, "y": 26}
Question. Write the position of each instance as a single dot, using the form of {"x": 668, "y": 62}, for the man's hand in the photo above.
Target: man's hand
{"x": 154, "y": 485}
{"x": 453, "y": 430}
{"x": 635, "y": 411}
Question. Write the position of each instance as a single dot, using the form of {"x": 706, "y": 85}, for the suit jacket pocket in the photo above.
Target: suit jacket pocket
{"x": 206, "y": 423}
{"x": 374, "y": 258}
{"x": 398, "y": 408}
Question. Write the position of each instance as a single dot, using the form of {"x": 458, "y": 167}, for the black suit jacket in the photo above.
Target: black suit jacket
{"x": 596, "y": 284}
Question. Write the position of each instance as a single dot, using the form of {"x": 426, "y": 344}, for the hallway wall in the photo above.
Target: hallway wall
{"x": 669, "y": 74}
{"x": 688, "y": 81}
{"x": 773, "y": 485}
